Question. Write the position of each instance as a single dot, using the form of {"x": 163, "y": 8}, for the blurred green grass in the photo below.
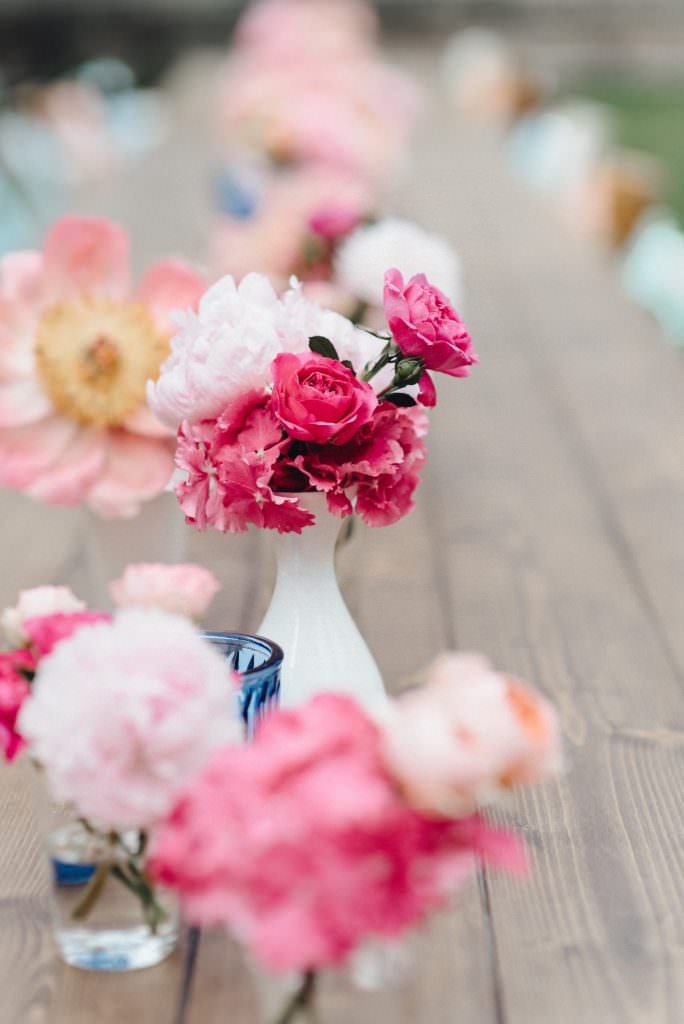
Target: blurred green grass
{"x": 649, "y": 117}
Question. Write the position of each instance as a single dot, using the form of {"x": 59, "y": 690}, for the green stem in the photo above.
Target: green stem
{"x": 92, "y": 891}
{"x": 300, "y": 1000}
{"x": 385, "y": 358}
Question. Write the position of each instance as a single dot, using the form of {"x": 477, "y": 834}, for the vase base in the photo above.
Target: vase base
{"x": 130, "y": 949}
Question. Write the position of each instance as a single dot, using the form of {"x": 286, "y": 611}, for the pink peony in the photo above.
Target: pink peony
{"x": 33, "y": 604}
{"x": 302, "y": 844}
{"x": 123, "y": 714}
{"x": 46, "y": 631}
{"x": 77, "y": 347}
{"x": 14, "y": 689}
{"x": 467, "y": 734}
{"x": 425, "y": 326}
{"x": 182, "y": 589}
{"x": 320, "y": 400}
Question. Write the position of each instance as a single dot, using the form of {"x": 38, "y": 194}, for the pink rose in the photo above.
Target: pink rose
{"x": 14, "y": 689}
{"x": 425, "y": 326}
{"x": 320, "y": 400}
{"x": 184, "y": 589}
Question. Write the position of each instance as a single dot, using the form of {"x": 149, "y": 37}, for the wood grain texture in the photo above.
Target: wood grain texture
{"x": 548, "y": 533}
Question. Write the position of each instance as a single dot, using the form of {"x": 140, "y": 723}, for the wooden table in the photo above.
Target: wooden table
{"x": 549, "y": 533}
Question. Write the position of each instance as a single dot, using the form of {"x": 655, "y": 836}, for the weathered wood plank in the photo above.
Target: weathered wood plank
{"x": 543, "y": 581}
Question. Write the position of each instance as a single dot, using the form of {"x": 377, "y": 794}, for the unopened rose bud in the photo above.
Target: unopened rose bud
{"x": 408, "y": 371}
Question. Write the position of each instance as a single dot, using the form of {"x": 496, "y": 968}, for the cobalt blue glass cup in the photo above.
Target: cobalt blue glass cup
{"x": 259, "y": 662}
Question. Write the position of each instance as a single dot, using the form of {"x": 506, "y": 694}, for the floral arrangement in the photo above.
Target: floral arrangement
{"x": 334, "y": 827}
{"x": 273, "y": 397}
{"x": 45, "y": 616}
{"x": 77, "y": 346}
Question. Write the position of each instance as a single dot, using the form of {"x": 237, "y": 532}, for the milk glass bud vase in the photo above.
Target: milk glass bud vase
{"x": 309, "y": 619}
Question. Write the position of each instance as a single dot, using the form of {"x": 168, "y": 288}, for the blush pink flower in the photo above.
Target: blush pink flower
{"x": 123, "y": 714}
{"x": 425, "y": 326}
{"x": 302, "y": 844}
{"x": 185, "y": 589}
{"x": 15, "y": 666}
{"x": 46, "y": 631}
{"x": 34, "y": 603}
{"x": 77, "y": 346}
{"x": 335, "y": 221}
{"x": 320, "y": 400}
{"x": 467, "y": 734}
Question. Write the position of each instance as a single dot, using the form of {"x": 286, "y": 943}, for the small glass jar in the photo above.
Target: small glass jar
{"x": 259, "y": 663}
{"x": 107, "y": 915}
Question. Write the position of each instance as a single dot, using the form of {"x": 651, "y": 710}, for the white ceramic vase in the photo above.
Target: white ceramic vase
{"x": 308, "y": 618}
{"x": 157, "y": 534}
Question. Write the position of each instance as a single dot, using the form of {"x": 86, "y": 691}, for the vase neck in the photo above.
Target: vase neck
{"x": 314, "y": 548}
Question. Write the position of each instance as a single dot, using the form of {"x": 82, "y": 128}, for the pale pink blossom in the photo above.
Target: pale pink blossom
{"x": 123, "y": 714}
{"x": 302, "y": 844}
{"x": 185, "y": 589}
{"x": 32, "y": 604}
{"x": 470, "y": 732}
{"x": 77, "y": 345}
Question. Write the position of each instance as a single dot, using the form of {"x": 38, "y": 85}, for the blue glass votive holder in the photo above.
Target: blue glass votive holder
{"x": 259, "y": 662}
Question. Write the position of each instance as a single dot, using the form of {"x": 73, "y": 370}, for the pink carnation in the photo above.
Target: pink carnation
{"x": 183, "y": 589}
{"x": 381, "y": 463}
{"x": 122, "y": 714}
{"x": 425, "y": 326}
{"x": 467, "y": 734}
{"x": 14, "y": 689}
{"x": 35, "y": 603}
{"x": 302, "y": 844}
{"x": 46, "y": 631}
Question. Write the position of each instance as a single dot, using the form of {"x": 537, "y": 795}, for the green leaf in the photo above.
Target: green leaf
{"x": 348, "y": 363}
{"x": 323, "y": 347}
{"x": 400, "y": 399}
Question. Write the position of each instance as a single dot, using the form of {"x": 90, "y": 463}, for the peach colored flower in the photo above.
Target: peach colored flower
{"x": 185, "y": 589}
{"x": 77, "y": 346}
{"x": 33, "y": 604}
{"x": 468, "y": 733}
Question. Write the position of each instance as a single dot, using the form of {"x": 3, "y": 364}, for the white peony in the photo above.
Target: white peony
{"x": 33, "y": 604}
{"x": 373, "y": 249}
{"x": 123, "y": 714}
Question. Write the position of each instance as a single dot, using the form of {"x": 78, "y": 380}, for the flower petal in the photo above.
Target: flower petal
{"x": 27, "y": 451}
{"x": 168, "y": 286}
{"x": 69, "y": 479}
{"x": 144, "y": 422}
{"x": 21, "y": 288}
{"x": 22, "y": 401}
{"x": 137, "y": 469}
{"x": 86, "y": 254}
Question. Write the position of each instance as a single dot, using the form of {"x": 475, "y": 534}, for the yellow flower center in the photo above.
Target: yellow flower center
{"x": 95, "y": 355}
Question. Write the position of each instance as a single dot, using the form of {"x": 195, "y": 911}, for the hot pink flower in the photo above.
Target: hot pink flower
{"x": 183, "y": 589}
{"x": 33, "y": 604}
{"x": 381, "y": 463}
{"x": 228, "y": 465}
{"x": 14, "y": 689}
{"x": 468, "y": 733}
{"x": 123, "y": 714}
{"x": 302, "y": 843}
{"x": 320, "y": 400}
{"x": 46, "y": 631}
{"x": 334, "y": 221}
{"x": 77, "y": 346}
{"x": 425, "y": 325}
